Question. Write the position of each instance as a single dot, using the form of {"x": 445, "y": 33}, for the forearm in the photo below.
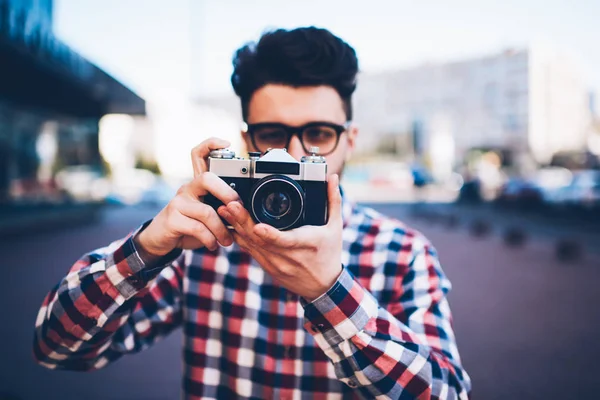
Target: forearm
{"x": 375, "y": 353}
{"x": 76, "y": 325}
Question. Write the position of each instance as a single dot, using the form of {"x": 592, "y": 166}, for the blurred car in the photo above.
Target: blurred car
{"x": 158, "y": 195}
{"x": 470, "y": 191}
{"x": 421, "y": 177}
{"x": 82, "y": 182}
{"x": 582, "y": 192}
{"x": 130, "y": 184}
{"x": 520, "y": 192}
{"x": 394, "y": 174}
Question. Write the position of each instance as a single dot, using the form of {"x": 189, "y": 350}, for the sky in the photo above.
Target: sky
{"x": 159, "y": 48}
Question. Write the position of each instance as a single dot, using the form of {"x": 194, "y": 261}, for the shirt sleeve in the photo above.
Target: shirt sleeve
{"x": 110, "y": 303}
{"x": 405, "y": 349}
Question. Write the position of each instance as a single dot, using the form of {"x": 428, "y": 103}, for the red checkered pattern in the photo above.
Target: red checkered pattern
{"x": 382, "y": 331}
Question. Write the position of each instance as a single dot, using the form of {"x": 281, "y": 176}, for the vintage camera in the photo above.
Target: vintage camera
{"x": 275, "y": 188}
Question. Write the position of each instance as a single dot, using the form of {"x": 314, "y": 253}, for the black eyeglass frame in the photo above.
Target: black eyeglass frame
{"x": 297, "y": 131}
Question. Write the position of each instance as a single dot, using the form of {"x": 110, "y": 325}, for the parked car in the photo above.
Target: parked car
{"x": 393, "y": 174}
{"x": 421, "y": 177}
{"x": 582, "y": 192}
{"x": 520, "y": 192}
{"x": 470, "y": 191}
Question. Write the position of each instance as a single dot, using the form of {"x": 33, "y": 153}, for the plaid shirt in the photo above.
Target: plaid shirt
{"x": 383, "y": 330}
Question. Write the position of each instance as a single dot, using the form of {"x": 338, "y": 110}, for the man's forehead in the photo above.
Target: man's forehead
{"x": 295, "y": 105}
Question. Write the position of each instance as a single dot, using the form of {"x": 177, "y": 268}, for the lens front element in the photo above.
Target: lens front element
{"x": 276, "y": 205}
{"x": 277, "y": 200}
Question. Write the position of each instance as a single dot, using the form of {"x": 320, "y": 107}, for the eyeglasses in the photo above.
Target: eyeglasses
{"x": 324, "y": 135}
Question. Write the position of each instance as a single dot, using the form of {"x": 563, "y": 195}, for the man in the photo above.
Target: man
{"x": 355, "y": 308}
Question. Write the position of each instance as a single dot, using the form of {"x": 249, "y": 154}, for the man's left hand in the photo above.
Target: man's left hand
{"x": 305, "y": 260}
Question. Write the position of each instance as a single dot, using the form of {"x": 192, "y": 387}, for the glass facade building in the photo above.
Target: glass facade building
{"x": 51, "y": 101}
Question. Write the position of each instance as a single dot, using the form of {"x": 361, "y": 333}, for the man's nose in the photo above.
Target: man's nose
{"x": 295, "y": 148}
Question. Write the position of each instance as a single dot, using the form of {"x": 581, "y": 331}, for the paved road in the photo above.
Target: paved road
{"x": 527, "y": 325}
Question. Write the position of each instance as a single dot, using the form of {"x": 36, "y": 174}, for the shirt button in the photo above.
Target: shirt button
{"x": 351, "y": 384}
{"x": 288, "y": 352}
{"x": 314, "y": 329}
{"x": 291, "y": 297}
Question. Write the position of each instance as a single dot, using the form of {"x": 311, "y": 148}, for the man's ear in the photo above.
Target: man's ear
{"x": 352, "y": 133}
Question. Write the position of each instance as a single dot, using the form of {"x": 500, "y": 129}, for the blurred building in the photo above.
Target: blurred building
{"x": 518, "y": 102}
{"x": 51, "y": 100}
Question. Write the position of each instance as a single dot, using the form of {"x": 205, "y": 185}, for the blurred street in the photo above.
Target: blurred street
{"x": 527, "y": 324}
{"x": 489, "y": 144}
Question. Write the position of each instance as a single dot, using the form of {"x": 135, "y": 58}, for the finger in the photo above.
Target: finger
{"x": 190, "y": 242}
{"x": 305, "y": 236}
{"x": 200, "y": 153}
{"x": 190, "y": 227}
{"x": 211, "y": 183}
{"x": 243, "y": 222}
{"x": 208, "y": 216}
{"x": 252, "y": 249}
{"x": 334, "y": 200}
{"x": 243, "y": 242}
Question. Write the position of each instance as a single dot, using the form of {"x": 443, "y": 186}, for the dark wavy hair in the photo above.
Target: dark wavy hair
{"x": 307, "y": 56}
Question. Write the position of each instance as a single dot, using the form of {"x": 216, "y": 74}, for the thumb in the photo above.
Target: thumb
{"x": 334, "y": 200}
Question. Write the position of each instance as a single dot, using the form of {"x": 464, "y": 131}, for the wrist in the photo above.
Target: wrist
{"x": 325, "y": 286}
{"x": 145, "y": 249}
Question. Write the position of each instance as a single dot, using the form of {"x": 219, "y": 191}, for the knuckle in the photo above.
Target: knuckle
{"x": 199, "y": 230}
{"x": 210, "y": 241}
{"x": 313, "y": 247}
{"x": 183, "y": 189}
{"x": 199, "y": 180}
{"x": 204, "y": 211}
{"x": 177, "y": 203}
{"x": 171, "y": 208}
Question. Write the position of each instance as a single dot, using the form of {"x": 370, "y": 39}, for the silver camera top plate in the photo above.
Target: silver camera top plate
{"x": 222, "y": 153}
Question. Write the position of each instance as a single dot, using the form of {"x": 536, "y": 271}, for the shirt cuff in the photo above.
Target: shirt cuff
{"x": 341, "y": 312}
{"x": 128, "y": 272}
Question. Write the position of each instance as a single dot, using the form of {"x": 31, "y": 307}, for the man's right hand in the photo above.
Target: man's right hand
{"x": 186, "y": 222}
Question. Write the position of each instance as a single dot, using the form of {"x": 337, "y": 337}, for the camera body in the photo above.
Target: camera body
{"x": 275, "y": 188}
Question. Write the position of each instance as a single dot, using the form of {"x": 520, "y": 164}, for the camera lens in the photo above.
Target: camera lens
{"x": 277, "y": 200}
{"x": 276, "y": 204}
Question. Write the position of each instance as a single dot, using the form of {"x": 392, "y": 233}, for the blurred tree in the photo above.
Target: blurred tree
{"x": 150, "y": 165}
